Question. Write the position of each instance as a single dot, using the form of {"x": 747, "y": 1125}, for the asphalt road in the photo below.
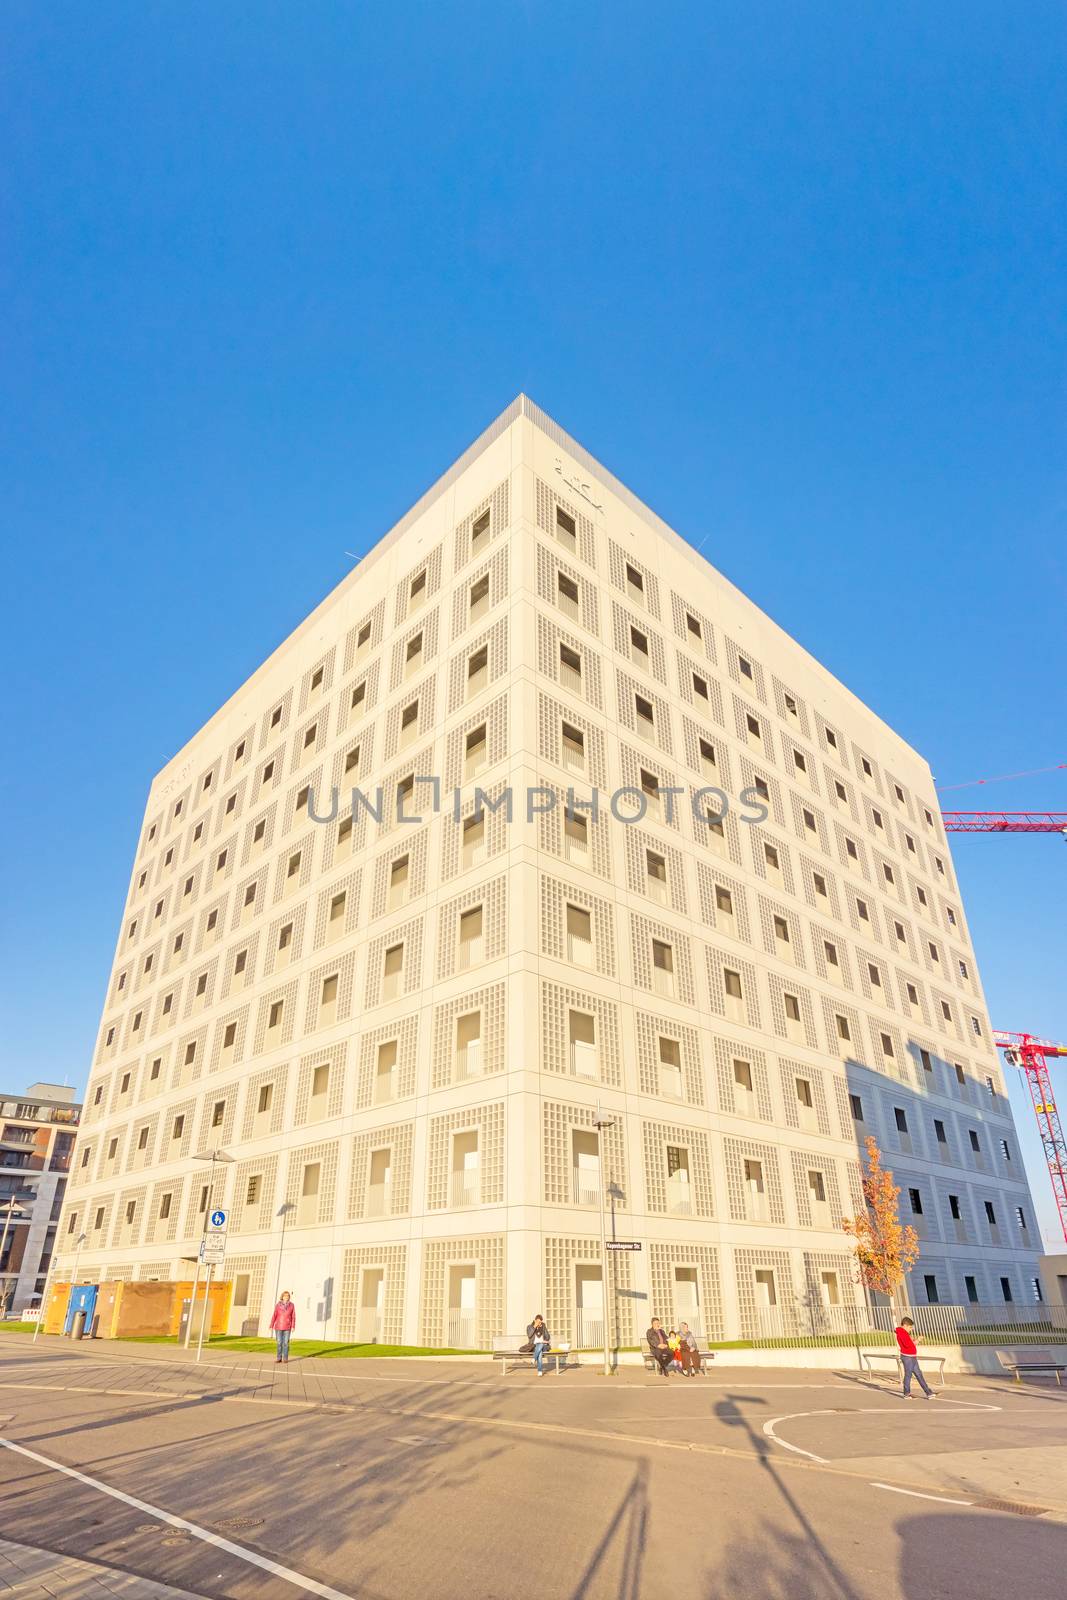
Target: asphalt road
{"x": 387, "y": 1479}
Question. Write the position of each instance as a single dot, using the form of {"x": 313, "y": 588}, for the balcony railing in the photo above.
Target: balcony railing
{"x": 462, "y": 1329}
{"x": 379, "y": 1199}
{"x": 20, "y": 1112}
{"x": 466, "y": 1189}
{"x": 586, "y": 1188}
{"x": 679, "y": 1197}
{"x": 588, "y": 1328}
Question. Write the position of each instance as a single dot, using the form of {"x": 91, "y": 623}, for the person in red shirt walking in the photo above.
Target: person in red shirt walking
{"x": 910, "y": 1359}
{"x": 282, "y": 1324}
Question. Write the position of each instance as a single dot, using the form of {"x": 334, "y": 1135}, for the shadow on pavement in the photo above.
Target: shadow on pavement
{"x": 789, "y": 1566}
{"x": 628, "y": 1528}
{"x": 1014, "y": 1555}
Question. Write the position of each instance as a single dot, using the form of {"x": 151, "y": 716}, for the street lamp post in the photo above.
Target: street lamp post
{"x": 73, "y": 1280}
{"x": 602, "y": 1124}
{"x": 283, "y": 1211}
{"x": 216, "y": 1158}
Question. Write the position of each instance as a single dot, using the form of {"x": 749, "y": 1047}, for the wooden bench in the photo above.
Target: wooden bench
{"x": 926, "y": 1359}
{"x": 1038, "y": 1362}
{"x": 508, "y": 1347}
{"x": 652, "y": 1365}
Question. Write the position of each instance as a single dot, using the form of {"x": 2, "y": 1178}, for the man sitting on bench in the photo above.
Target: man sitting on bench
{"x": 659, "y": 1345}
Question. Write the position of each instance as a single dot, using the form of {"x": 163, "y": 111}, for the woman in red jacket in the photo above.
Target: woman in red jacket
{"x": 282, "y": 1324}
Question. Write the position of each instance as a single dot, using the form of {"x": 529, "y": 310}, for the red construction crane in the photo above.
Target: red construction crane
{"x": 1023, "y": 1049}
{"x": 1005, "y": 822}
{"x": 1031, "y": 1055}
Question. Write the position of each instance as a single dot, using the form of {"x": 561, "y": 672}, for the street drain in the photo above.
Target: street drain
{"x": 240, "y": 1524}
{"x": 1010, "y": 1505}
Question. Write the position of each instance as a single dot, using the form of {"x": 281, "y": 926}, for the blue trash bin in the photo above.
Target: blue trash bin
{"x": 82, "y": 1298}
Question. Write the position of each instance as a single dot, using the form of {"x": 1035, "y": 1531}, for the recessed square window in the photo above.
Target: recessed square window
{"x": 479, "y": 596}
{"x": 479, "y": 531}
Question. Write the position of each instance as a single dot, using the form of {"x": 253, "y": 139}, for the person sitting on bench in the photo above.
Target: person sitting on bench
{"x": 659, "y": 1346}
{"x": 688, "y": 1350}
{"x": 538, "y": 1342}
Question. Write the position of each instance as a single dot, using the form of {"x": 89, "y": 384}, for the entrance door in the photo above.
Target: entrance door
{"x": 687, "y": 1298}
{"x": 463, "y": 1306}
{"x": 371, "y": 1304}
{"x": 589, "y": 1306}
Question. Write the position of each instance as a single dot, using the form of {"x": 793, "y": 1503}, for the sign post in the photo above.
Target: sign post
{"x": 602, "y": 1124}
{"x": 212, "y": 1255}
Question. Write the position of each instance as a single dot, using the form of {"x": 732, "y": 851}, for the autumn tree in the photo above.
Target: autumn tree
{"x": 885, "y": 1247}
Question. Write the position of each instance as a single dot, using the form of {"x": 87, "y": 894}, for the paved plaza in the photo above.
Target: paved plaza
{"x": 385, "y": 1478}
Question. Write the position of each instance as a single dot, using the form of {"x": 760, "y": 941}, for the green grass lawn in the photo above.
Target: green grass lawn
{"x": 324, "y": 1349}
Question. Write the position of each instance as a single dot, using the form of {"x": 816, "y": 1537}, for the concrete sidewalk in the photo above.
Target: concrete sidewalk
{"x": 27, "y": 1573}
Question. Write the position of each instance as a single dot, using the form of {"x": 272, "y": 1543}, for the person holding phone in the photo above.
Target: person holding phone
{"x": 537, "y": 1338}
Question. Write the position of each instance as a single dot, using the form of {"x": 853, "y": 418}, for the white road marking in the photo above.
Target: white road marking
{"x": 768, "y": 1429}
{"x": 81, "y": 1388}
{"x": 169, "y": 1394}
{"x": 916, "y": 1494}
{"x": 309, "y": 1585}
{"x": 852, "y": 1411}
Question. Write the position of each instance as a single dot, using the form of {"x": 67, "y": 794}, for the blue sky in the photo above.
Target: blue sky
{"x": 796, "y": 273}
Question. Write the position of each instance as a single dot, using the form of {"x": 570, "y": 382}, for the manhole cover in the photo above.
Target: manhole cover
{"x": 1011, "y": 1505}
{"x": 175, "y": 1538}
{"x": 239, "y": 1524}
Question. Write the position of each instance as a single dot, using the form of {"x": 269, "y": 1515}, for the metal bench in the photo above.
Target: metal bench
{"x": 926, "y": 1359}
{"x": 508, "y": 1347}
{"x": 652, "y": 1365}
{"x": 1035, "y": 1363}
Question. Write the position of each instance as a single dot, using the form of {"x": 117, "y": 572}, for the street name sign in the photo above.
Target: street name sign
{"x": 213, "y": 1250}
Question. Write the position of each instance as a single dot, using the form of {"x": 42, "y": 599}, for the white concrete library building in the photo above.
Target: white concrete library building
{"x": 537, "y": 885}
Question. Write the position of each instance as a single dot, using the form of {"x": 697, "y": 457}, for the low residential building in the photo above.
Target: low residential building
{"x": 37, "y": 1133}
{"x": 1053, "y": 1270}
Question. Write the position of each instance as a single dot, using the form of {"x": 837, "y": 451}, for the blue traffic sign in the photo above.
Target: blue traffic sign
{"x": 218, "y": 1219}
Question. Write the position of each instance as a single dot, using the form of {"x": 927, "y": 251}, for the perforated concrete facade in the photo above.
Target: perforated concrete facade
{"x": 400, "y": 1029}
